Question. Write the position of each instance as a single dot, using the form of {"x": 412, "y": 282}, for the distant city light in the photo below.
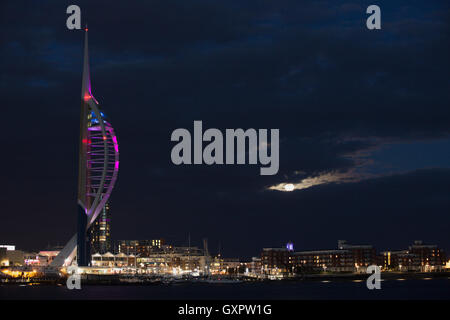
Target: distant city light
{"x": 290, "y": 246}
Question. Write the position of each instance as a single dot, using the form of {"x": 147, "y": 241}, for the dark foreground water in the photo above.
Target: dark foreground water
{"x": 391, "y": 289}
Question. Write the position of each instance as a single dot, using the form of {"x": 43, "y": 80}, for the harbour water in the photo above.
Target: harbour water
{"x": 416, "y": 289}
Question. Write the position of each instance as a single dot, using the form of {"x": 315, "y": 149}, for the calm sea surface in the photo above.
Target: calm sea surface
{"x": 390, "y": 289}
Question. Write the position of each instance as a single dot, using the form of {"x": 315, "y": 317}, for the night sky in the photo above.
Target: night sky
{"x": 364, "y": 119}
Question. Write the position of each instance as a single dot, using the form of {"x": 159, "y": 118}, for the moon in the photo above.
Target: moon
{"x": 289, "y": 187}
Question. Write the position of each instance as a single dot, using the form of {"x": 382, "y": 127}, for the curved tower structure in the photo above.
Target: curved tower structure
{"x": 98, "y": 166}
{"x": 98, "y": 161}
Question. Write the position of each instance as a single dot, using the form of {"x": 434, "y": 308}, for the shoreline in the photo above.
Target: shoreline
{"x": 116, "y": 280}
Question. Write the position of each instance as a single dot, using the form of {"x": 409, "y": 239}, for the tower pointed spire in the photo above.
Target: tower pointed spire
{"x": 86, "y": 83}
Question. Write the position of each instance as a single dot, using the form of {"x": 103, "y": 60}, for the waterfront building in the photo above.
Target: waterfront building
{"x": 46, "y": 257}
{"x": 427, "y": 257}
{"x": 276, "y": 260}
{"x": 216, "y": 264}
{"x": 174, "y": 262}
{"x": 143, "y": 248}
{"x": 110, "y": 260}
{"x": 324, "y": 260}
{"x": 31, "y": 259}
{"x": 4, "y": 261}
{"x": 346, "y": 258}
{"x": 363, "y": 255}
{"x": 419, "y": 257}
{"x": 254, "y": 267}
{"x": 220, "y": 265}
{"x": 6, "y": 257}
{"x": 391, "y": 260}
{"x": 151, "y": 256}
{"x": 232, "y": 266}
{"x": 11, "y": 258}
